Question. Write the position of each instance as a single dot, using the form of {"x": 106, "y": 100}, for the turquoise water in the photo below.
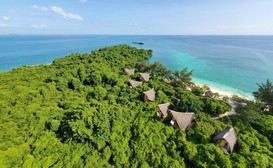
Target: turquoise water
{"x": 234, "y": 63}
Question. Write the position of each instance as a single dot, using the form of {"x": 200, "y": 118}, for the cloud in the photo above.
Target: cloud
{"x": 6, "y": 18}
{"x": 57, "y": 10}
{"x": 83, "y": 1}
{"x": 66, "y": 15}
{"x": 41, "y": 8}
{"x": 6, "y": 25}
{"x": 39, "y": 26}
{"x": 12, "y": 11}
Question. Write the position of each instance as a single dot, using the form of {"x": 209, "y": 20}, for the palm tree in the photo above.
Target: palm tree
{"x": 183, "y": 78}
{"x": 265, "y": 93}
{"x": 157, "y": 69}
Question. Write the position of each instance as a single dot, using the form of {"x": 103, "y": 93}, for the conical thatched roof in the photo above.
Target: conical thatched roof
{"x": 167, "y": 80}
{"x": 183, "y": 120}
{"x": 229, "y": 135}
{"x": 145, "y": 76}
{"x": 129, "y": 71}
{"x": 188, "y": 88}
{"x": 164, "y": 108}
{"x": 150, "y": 95}
{"x": 209, "y": 94}
{"x": 134, "y": 83}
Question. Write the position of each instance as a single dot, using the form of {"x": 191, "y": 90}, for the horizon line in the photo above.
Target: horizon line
{"x": 13, "y": 34}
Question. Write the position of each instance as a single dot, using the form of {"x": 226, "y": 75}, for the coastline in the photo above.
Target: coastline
{"x": 223, "y": 91}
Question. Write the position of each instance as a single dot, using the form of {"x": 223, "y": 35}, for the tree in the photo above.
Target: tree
{"x": 265, "y": 93}
{"x": 182, "y": 78}
{"x": 197, "y": 90}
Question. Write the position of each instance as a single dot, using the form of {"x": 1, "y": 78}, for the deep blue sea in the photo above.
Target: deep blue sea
{"x": 235, "y": 63}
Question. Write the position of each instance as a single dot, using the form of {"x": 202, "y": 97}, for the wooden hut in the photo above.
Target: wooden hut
{"x": 227, "y": 138}
{"x": 144, "y": 76}
{"x": 129, "y": 71}
{"x": 134, "y": 83}
{"x": 163, "y": 110}
{"x": 149, "y": 95}
{"x": 209, "y": 94}
{"x": 168, "y": 81}
{"x": 182, "y": 120}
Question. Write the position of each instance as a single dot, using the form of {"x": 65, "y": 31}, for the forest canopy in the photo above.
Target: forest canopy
{"x": 80, "y": 112}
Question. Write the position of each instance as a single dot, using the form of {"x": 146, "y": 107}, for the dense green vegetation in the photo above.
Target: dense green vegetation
{"x": 80, "y": 112}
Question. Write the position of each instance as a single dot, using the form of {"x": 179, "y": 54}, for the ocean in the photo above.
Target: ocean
{"x": 233, "y": 63}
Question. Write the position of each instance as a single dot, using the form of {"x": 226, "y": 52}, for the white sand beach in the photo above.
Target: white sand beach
{"x": 223, "y": 91}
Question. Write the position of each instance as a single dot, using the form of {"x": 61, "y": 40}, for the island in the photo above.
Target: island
{"x": 82, "y": 111}
{"x": 140, "y": 43}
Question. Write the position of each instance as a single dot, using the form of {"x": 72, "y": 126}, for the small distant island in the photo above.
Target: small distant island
{"x": 139, "y": 43}
{"x": 112, "y": 108}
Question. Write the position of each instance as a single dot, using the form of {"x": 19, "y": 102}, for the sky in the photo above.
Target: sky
{"x": 137, "y": 17}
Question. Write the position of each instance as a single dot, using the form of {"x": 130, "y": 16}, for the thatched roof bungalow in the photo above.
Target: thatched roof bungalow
{"x": 163, "y": 109}
{"x": 168, "y": 81}
{"x": 149, "y": 95}
{"x": 129, "y": 71}
{"x": 228, "y": 139}
{"x": 209, "y": 94}
{"x": 144, "y": 76}
{"x": 182, "y": 120}
{"x": 134, "y": 83}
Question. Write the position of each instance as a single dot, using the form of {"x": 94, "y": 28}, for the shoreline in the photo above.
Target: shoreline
{"x": 221, "y": 90}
